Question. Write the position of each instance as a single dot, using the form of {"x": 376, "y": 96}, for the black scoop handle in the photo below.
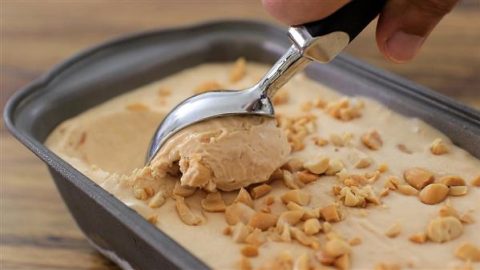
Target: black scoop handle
{"x": 351, "y": 18}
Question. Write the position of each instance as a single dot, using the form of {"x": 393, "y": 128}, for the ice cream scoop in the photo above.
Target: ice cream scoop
{"x": 317, "y": 41}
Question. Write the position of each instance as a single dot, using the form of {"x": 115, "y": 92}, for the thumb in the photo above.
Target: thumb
{"x": 404, "y": 25}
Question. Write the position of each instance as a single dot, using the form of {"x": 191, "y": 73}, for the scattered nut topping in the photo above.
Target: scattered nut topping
{"x": 387, "y": 266}
{"x": 262, "y": 221}
{"x": 342, "y": 262}
{"x": 306, "y": 177}
{"x": 458, "y": 190}
{"x": 137, "y": 107}
{"x": 358, "y": 197}
{"x": 312, "y": 226}
{"x": 245, "y": 264}
{"x": 280, "y": 98}
{"x": 394, "y": 230}
{"x": 293, "y": 165}
{"x": 213, "y": 202}
{"x": 244, "y": 197}
{"x": 238, "y": 71}
{"x": 140, "y": 194}
{"x": 372, "y": 140}
{"x": 297, "y": 196}
{"x": 164, "y": 92}
{"x": 207, "y": 86}
{"x": 382, "y": 168}
{"x": 319, "y": 141}
{"x": 433, "y": 193}
{"x": 443, "y": 229}
{"x": 344, "y": 109}
{"x": 476, "y": 181}
{"x": 249, "y": 251}
{"x": 269, "y": 200}
{"x": 297, "y": 129}
{"x": 318, "y": 165}
{"x": 355, "y": 180}
{"x": 285, "y": 235}
{"x": 468, "y": 252}
{"x": 238, "y": 212}
{"x": 257, "y": 238}
{"x": 303, "y": 239}
{"x": 302, "y": 262}
{"x": 319, "y": 103}
{"x": 331, "y": 213}
{"x": 418, "y": 177}
{"x": 334, "y": 166}
{"x": 392, "y": 183}
{"x": 327, "y": 227}
{"x": 337, "y": 140}
{"x": 452, "y": 180}
{"x": 183, "y": 191}
{"x": 157, "y": 200}
{"x": 407, "y": 190}
{"x": 403, "y": 148}
{"x": 153, "y": 219}
{"x": 337, "y": 247}
{"x": 447, "y": 211}
{"x": 467, "y": 219}
{"x": 363, "y": 162}
{"x": 260, "y": 191}
{"x": 438, "y": 147}
{"x": 291, "y": 217}
{"x": 184, "y": 212}
{"x": 418, "y": 238}
{"x": 355, "y": 241}
{"x": 306, "y": 106}
{"x": 227, "y": 230}
{"x": 384, "y": 192}
{"x": 240, "y": 232}
{"x": 290, "y": 182}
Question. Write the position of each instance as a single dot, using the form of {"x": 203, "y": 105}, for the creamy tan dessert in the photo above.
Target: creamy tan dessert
{"x": 363, "y": 188}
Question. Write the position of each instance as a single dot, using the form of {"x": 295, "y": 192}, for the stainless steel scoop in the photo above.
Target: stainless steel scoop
{"x": 318, "y": 41}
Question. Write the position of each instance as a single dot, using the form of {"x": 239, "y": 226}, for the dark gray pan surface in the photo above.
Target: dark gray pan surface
{"x": 103, "y": 72}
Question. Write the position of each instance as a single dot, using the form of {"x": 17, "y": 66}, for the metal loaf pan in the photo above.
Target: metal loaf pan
{"x": 111, "y": 69}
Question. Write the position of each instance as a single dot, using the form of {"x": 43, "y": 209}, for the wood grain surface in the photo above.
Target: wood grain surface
{"x": 36, "y": 230}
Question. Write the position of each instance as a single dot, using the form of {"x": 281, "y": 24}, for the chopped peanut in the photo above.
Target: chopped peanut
{"x": 433, "y": 193}
{"x": 452, "y": 180}
{"x": 331, "y": 213}
{"x": 140, "y": 194}
{"x": 280, "y": 98}
{"x": 183, "y": 191}
{"x": 153, "y": 219}
{"x": 245, "y": 264}
{"x": 363, "y": 162}
{"x": 137, "y": 107}
{"x": 418, "y": 238}
{"x": 157, "y": 200}
{"x": 318, "y": 165}
{"x": 244, "y": 197}
{"x": 394, "y": 230}
{"x": 262, "y": 221}
{"x": 319, "y": 141}
{"x": 312, "y": 226}
{"x": 476, "y": 181}
{"x": 355, "y": 241}
{"x": 303, "y": 239}
{"x": 213, "y": 202}
{"x": 458, "y": 190}
{"x": 337, "y": 247}
{"x": 468, "y": 252}
{"x": 372, "y": 140}
{"x": 438, "y": 147}
{"x": 336, "y": 140}
{"x": 443, "y": 229}
{"x": 294, "y": 164}
{"x": 302, "y": 262}
{"x": 260, "y": 191}
{"x": 184, "y": 212}
{"x": 306, "y": 177}
{"x": 238, "y": 71}
{"x": 257, "y": 238}
{"x": 249, "y": 251}
{"x": 269, "y": 200}
{"x": 392, "y": 183}
{"x": 289, "y": 181}
{"x": 298, "y": 196}
{"x": 387, "y": 266}
{"x": 447, "y": 210}
{"x": 291, "y": 217}
{"x": 238, "y": 212}
{"x": 418, "y": 177}
{"x": 164, "y": 92}
{"x": 342, "y": 262}
{"x": 240, "y": 232}
{"x": 334, "y": 166}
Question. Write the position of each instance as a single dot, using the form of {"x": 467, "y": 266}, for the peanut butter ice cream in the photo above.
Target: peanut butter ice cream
{"x": 358, "y": 187}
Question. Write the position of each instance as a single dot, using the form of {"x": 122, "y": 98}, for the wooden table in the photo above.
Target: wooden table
{"x": 36, "y": 230}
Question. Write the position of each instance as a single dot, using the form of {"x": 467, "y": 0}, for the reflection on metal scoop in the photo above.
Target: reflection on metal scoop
{"x": 320, "y": 41}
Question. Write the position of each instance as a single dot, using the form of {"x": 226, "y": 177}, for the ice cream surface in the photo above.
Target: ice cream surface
{"x": 363, "y": 187}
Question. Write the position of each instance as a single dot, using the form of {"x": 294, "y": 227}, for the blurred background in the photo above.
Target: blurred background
{"x": 36, "y": 231}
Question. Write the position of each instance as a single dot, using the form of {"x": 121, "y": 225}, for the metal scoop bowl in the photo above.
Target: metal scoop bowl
{"x": 319, "y": 41}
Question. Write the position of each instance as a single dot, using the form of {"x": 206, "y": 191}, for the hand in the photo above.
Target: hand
{"x": 402, "y": 27}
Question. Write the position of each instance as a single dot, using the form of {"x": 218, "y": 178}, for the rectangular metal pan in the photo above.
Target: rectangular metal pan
{"x": 111, "y": 69}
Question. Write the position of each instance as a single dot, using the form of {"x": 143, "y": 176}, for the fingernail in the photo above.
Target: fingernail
{"x": 402, "y": 47}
